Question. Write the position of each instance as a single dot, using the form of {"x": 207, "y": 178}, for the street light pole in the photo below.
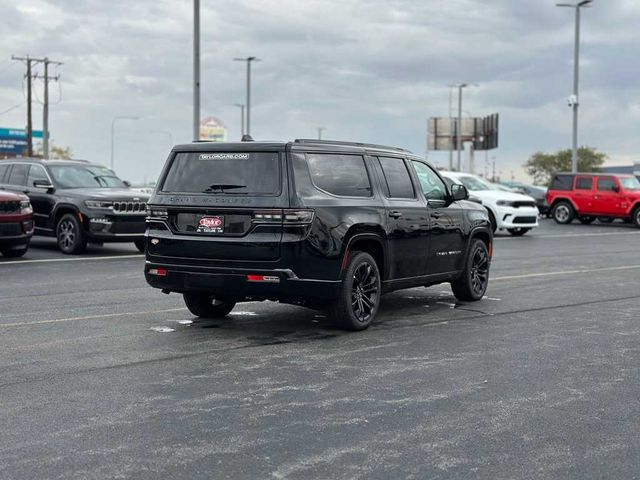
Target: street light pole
{"x": 576, "y": 78}
{"x": 241, "y": 106}
{"x": 196, "y": 70}
{"x": 451, "y": 87}
{"x": 248, "y": 102}
{"x": 320, "y": 130}
{"x": 113, "y": 126}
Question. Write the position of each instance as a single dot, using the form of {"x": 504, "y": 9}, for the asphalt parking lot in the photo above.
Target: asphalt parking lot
{"x": 104, "y": 377}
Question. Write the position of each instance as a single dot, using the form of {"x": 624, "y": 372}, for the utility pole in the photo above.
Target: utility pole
{"x": 241, "y": 106}
{"x": 28, "y": 60}
{"x": 320, "y": 130}
{"x": 196, "y": 70}
{"x": 45, "y": 110}
{"x": 574, "y": 101}
{"x": 248, "y": 102}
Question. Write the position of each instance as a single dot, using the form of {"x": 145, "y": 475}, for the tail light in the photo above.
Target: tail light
{"x": 284, "y": 217}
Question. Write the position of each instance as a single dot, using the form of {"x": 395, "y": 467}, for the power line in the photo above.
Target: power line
{"x": 11, "y": 108}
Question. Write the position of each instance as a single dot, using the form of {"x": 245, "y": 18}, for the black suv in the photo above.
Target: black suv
{"x": 77, "y": 202}
{"x": 317, "y": 223}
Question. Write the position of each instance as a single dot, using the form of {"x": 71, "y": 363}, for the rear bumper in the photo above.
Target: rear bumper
{"x": 234, "y": 283}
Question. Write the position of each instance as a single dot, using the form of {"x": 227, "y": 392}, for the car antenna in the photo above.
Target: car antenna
{"x": 246, "y": 138}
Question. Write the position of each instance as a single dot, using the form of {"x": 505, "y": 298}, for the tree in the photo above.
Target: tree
{"x": 55, "y": 152}
{"x": 542, "y": 165}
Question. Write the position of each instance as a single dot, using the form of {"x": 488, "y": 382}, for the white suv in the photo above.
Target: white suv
{"x": 511, "y": 211}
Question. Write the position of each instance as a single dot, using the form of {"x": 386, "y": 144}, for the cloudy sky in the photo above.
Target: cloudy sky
{"x": 367, "y": 70}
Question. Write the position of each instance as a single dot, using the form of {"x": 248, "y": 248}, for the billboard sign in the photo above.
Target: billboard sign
{"x": 13, "y": 141}
{"x": 483, "y": 132}
{"x": 212, "y": 130}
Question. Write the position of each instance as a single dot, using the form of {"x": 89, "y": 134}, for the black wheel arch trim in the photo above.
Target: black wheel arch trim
{"x": 66, "y": 208}
{"x": 356, "y": 237}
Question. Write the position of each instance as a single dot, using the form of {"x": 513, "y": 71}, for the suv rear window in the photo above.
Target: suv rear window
{"x": 230, "y": 173}
{"x": 562, "y": 182}
{"x": 343, "y": 175}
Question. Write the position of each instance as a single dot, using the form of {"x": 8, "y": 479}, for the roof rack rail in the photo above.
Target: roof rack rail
{"x": 357, "y": 144}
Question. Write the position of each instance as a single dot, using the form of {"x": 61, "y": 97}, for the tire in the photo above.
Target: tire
{"x": 70, "y": 235}
{"x": 359, "y": 296}
{"x": 492, "y": 221}
{"x": 605, "y": 219}
{"x": 636, "y": 217}
{"x": 563, "y": 213}
{"x": 518, "y": 232}
{"x": 587, "y": 220}
{"x": 141, "y": 245}
{"x": 15, "y": 252}
{"x": 207, "y": 306}
{"x": 472, "y": 284}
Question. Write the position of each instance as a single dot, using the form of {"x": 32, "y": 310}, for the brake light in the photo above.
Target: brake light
{"x": 287, "y": 217}
{"x": 160, "y": 272}
{"x": 263, "y": 278}
{"x": 298, "y": 217}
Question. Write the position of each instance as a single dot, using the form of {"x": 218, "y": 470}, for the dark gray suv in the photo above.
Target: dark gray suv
{"x": 77, "y": 202}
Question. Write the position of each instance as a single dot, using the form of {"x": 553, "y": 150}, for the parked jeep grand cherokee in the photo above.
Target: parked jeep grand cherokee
{"x": 317, "y": 223}
{"x": 587, "y": 196}
{"x": 77, "y": 202}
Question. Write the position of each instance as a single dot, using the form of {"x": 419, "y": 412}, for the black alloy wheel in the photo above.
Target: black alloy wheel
{"x": 70, "y": 236}
{"x": 518, "y": 232}
{"x": 473, "y": 283}
{"x": 359, "y": 297}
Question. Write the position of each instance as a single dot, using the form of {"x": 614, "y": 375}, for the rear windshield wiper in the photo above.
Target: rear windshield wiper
{"x": 221, "y": 187}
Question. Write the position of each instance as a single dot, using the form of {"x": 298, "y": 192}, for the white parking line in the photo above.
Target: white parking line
{"x": 89, "y": 317}
{"x": 74, "y": 259}
{"x": 567, "y": 272}
{"x": 568, "y": 235}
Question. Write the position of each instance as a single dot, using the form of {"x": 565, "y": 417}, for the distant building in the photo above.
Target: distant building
{"x": 625, "y": 169}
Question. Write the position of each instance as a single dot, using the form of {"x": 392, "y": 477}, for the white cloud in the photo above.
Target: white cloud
{"x": 367, "y": 70}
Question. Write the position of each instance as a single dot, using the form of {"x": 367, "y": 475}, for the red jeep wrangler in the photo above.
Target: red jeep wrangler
{"x": 587, "y": 196}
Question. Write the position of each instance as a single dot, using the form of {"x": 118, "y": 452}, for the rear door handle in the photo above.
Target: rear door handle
{"x": 395, "y": 214}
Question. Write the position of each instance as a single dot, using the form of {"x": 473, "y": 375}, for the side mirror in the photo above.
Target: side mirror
{"x": 459, "y": 192}
{"x": 44, "y": 184}
{"x": 127, "y": 183}
{"x": 616, "y": 188}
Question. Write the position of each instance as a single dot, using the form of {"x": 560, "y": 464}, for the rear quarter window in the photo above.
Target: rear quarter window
{"x": 562, "y": 182}
{"x": 234, "y": 173}
{"x": 342, "y": 175}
